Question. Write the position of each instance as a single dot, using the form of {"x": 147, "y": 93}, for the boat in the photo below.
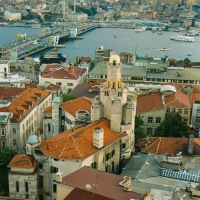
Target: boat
{"x": 35, "y": 42}
{"x": 164, "y": 49}
{"x": 192, "y": 33}
{"x": 140, "y": 28}
{"x": 189, "y": 54}
{"x": 182, "y": 38}
{"x": 160, "y": 31}
{"x": 154, "y": 29}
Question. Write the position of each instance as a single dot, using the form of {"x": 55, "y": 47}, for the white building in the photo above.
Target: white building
{"x": 11, "y": 16}
{"x": 27, "y": 110}
{"x": 66, "y": 77}
{"x": 24, "y": 186}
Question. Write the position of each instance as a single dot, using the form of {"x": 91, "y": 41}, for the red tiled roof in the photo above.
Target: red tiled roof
{"x": 81, "y": 194}
{"x": 178, "y": 99}
{"x": 79, "y": 143}
{"x": 107, "y": 183}
{"x": 23, "y": 161}
{"x": 10, "y": 93}
{"x": 149, "y": 102}
{"x": 20, "y": 105}
{"x": 72, "y": 106}
{"x": 48, "y": 110}
{"x": 52, "y": 87}
{"x": 160, "y": 145}
{"x": 59, "y": 72}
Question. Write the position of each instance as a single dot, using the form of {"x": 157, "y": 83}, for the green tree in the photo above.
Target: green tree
{"x": 5, "y": 156}
{"x": 67, "y": 97}
{"x": 172, "y": 126}
{"x": 187, "y": 61}
{"x": 139, "y": 132}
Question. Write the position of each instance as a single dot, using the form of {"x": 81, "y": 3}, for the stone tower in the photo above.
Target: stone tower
{"x": 116, "y": 102}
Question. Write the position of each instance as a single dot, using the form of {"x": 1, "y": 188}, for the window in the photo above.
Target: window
{"x": 198, "y": 110}
{"x": 124, "y": 146}
{"x": 49, "y": 127}
{"x": 17, "y": 186}
{"x": 58, "y": 83}
{"x": 198, "y": 120}
{"x": 3, "y": 144}
{"x": 69, "y": 84}
{"x": 158, "y": 120}
{"x": 168, "y": 110}
{"x": 26, "y": 186}
{"x": 3, "y": 132}
{"x": 40, "y": 166}
{"x": 173, "y": 110}
{"x": 54, "y": 188}
{"x": 185, "y": 121}
{"x": 185, "y": 111}
{"x": 149, "y": 131}
{"x": 108, "y": 156}
{"x": 14, "y": 142}
{"x": 40, "y": 181}
{"x": 150, "y": 120}
{"x": 113, "y": 153}
{"x": 14, "y": 130}
{"x": 180, "y": 111}
{"x": 94, "y": 165}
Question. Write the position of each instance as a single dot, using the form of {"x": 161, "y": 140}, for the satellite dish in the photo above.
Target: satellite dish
{"x": 88, "y": 187}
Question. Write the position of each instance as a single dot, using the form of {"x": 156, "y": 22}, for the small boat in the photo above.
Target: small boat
{"x": 165, "y": 49}
{"x": 140, "y": 28}
{"x": 189, "y": 54}
{"x": 154, "y": 29}
{"x": 160, "y": 31}
{"x": 35, "y": 42}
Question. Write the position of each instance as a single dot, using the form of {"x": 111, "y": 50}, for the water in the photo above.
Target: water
{"x": 127, "y": 40}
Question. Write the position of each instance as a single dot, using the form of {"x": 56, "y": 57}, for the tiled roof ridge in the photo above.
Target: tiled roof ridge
{"x": 153, "y": 142}
{"x": 158, "y": 145}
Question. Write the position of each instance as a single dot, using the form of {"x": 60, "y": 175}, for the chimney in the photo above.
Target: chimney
{"x": 191, "y": 130}
{"x": 98, "y": 138}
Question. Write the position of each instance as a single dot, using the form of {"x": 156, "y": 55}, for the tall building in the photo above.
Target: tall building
{"x": 116, "y": 103}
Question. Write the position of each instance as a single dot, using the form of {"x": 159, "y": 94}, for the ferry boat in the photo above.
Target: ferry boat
{"x": 182, "y": 38}
{"x": 140, "y": 28}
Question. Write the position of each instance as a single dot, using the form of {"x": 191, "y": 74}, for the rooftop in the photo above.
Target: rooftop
{"x": 81, "y": 194}
{"x": 78, "y": 143}
{"x": 23, "y": 161}
{"x": 72, "y": 106}
{"x": 104, "y": 183}
{"x": 160, "y": 145}
{"x": 149, "y": 102}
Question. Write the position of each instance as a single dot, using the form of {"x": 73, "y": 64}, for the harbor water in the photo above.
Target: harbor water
{"x": 144, "y": 43}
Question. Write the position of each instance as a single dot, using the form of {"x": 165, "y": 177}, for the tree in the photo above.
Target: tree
{"x": 172, "y": 126}
{"x": 5, "y": 156}
{"x": 187, "y": 61}
{"x": 67, "y": 97}
{"x": 139, "y": 132}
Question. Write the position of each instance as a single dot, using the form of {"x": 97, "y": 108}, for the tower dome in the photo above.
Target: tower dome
{"x": 114, "y": 59}
{"x": 32, "y": 139}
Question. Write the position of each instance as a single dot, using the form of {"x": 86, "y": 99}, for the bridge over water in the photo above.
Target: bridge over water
{"x": 39, "y": 42}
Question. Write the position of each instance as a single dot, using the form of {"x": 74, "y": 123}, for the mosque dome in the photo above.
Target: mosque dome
{"x": 114, "y": 59}
{"x": 32, "y": 139}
